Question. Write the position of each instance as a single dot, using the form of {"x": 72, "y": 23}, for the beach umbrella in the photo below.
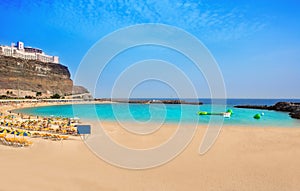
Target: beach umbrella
{"x": 14, "y": 133}
{"x": 24, "y": 133}
{"x": 5, "y": 131}
{"x": 18, "y": 131}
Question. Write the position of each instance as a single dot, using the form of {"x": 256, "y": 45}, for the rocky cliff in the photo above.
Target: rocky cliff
{"x": 35, "y": 76}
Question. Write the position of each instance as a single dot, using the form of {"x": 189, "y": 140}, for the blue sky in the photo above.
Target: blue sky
{"x": 256, "y": 43}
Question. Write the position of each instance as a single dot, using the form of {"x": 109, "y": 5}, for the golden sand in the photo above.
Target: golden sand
{"x": 243, "y": 158}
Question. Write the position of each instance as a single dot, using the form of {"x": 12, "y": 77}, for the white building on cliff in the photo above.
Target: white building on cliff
{"x": 28, "y": 53}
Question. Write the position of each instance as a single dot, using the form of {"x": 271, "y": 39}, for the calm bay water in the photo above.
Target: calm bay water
{"x": 171, "y": 113}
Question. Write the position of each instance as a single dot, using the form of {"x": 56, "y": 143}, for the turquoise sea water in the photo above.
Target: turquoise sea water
{"x": 168, "y": 113}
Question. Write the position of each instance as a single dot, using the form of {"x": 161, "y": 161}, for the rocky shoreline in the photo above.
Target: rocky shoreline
{"x": 292, "y": 108}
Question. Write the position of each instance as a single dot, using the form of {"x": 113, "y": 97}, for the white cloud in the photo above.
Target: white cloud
{"x": 91, "y": 18}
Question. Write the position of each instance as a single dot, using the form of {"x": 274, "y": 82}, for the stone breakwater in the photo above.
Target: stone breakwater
{"x": 153, "y": 101}
{"x": 292, "y": 108}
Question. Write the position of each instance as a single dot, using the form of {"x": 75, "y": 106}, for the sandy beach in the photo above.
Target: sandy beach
{"x": 243, "y": 158}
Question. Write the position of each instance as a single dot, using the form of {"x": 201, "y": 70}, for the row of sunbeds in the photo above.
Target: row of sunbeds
{"x": 53, "y": 137}
{"x": 64, "y": 130}
{"x": 17, "y": 142}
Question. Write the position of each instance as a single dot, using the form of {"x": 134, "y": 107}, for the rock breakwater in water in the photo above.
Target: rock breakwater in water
{"x": 153, "y": 101}
{"x": 292, "y": 108}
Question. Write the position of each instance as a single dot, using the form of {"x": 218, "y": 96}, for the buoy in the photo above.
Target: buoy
{"x": 229, "y": 111}
{"x": 256, "y": 116}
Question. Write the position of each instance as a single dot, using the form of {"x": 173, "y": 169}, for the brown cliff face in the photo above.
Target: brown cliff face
{"x": 33, "y": 75}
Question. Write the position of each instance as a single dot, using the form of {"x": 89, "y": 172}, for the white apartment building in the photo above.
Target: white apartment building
{"x": 28, "y": 53}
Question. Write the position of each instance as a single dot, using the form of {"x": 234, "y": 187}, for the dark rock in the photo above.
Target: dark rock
{"x": 265, "y": 107}
{"x": 285, "y": 106}
{"x": 295, "y": 114}
{"x": 292, "y": 108}
{"x": 151, "y": 101}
